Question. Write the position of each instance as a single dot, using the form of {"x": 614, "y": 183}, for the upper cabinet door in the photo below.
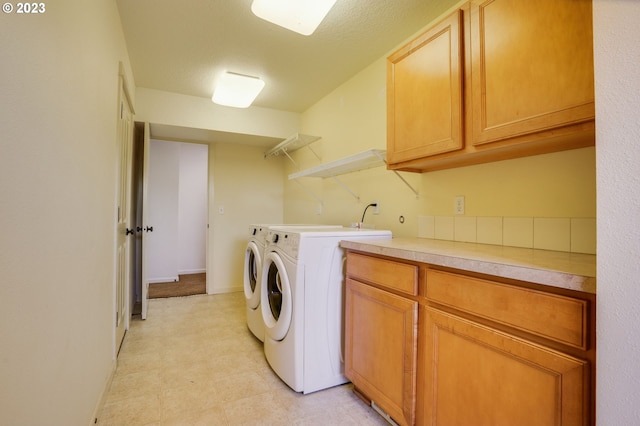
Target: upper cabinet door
{"x": 424, "y": 94}
{"x": 531, "y": 67}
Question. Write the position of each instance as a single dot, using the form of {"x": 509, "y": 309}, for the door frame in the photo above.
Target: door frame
{"x": 146, "y": 221}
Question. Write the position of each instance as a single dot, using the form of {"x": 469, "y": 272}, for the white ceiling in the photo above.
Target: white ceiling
{"x": 182, "y": 46}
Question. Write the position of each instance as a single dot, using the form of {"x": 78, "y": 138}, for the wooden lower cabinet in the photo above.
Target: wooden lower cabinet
{"x": 476, "y": 375}
{"x": 381, "y": 337}
{"x": 437, "y": 346}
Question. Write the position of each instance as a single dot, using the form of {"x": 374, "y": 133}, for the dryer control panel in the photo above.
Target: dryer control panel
{"x": 287, "y": 242}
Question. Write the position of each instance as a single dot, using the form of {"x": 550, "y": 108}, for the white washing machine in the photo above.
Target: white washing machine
{"x": 253, "y": 268}
{"x": 302, "y": 306}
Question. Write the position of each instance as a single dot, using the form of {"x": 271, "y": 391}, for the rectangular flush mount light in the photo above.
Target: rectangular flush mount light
{"x": 301, "y": 16}
{"x": 237, "y": 90}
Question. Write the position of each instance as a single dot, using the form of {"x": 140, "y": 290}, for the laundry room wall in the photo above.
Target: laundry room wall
{"x": 245, "y": 189}
{"x": 58, "y": 115}
{"x": 162, "y": 196}
{"x": 177, "y": 200}
{"x": 192, "y": 208}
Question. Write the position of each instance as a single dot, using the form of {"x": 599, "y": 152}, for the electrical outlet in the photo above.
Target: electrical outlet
{"x": 376, "y": 208}
{"x": 458, "y": 204}
{"x": 319, "y": 209}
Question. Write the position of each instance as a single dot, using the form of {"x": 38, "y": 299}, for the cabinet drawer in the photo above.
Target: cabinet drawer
{"x": 559, "y": 318}
{"x": 398, "y": 276}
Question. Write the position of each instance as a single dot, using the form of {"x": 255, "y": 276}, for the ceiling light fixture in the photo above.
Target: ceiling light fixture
{"x": 301, "y": 16}
{"x": 237, "y": 90}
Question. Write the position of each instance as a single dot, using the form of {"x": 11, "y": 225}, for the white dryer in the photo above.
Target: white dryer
{"x": 253, "y": 268}
{"x": 302, "y": 304}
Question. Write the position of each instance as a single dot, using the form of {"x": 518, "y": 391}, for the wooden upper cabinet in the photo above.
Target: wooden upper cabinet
{"x": 424, "y": 94}
{"x": 499, "y": 79}
{"x": 531, "y": 67}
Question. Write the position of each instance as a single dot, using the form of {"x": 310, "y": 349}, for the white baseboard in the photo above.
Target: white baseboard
{"x": 163, "y": 279}
{"x": 103, "y": 396}
{"x": 192, "y": 271}
{"x": 176, "y": 277}
{"x": 222, "y": 290}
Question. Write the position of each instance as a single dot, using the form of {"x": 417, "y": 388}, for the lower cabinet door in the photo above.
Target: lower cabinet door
{"x": 472, "y": 374}
{"x": 381, "y": 348}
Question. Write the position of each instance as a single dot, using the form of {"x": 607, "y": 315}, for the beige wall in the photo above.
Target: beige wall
{"x": 554, "y": 185}
{"x": 244, "y": 189}
{"x": 58, "y": 115}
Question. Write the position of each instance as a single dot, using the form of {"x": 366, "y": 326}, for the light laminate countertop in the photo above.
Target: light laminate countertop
{"x": 572, "y": 271}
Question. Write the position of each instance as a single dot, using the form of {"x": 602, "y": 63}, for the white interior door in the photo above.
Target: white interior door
{"x": 124, "y": 227}
{"x": 145, "y": 220}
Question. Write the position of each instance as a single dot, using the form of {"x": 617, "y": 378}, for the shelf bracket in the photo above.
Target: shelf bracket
{"x": 314, "y": 153}
{"x": 383, "y": 158}
{"x": 406, "y": 183}
{"x": 346, "y": 188}
{"x": 284, "y": 151}
{"x": 309, "y": 191}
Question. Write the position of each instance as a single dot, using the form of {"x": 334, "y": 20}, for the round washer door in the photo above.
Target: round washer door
{"x": 276, "y": 297}
{"x": 252, "y": 267}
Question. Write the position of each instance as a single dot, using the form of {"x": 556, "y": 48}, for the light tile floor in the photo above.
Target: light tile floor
{"x": 194, "y": 362}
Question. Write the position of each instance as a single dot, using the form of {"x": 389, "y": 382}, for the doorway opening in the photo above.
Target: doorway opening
{"x": 171, "y": 199}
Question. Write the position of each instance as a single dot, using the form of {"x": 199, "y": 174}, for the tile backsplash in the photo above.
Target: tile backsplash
{"x": 577, "y": 235}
